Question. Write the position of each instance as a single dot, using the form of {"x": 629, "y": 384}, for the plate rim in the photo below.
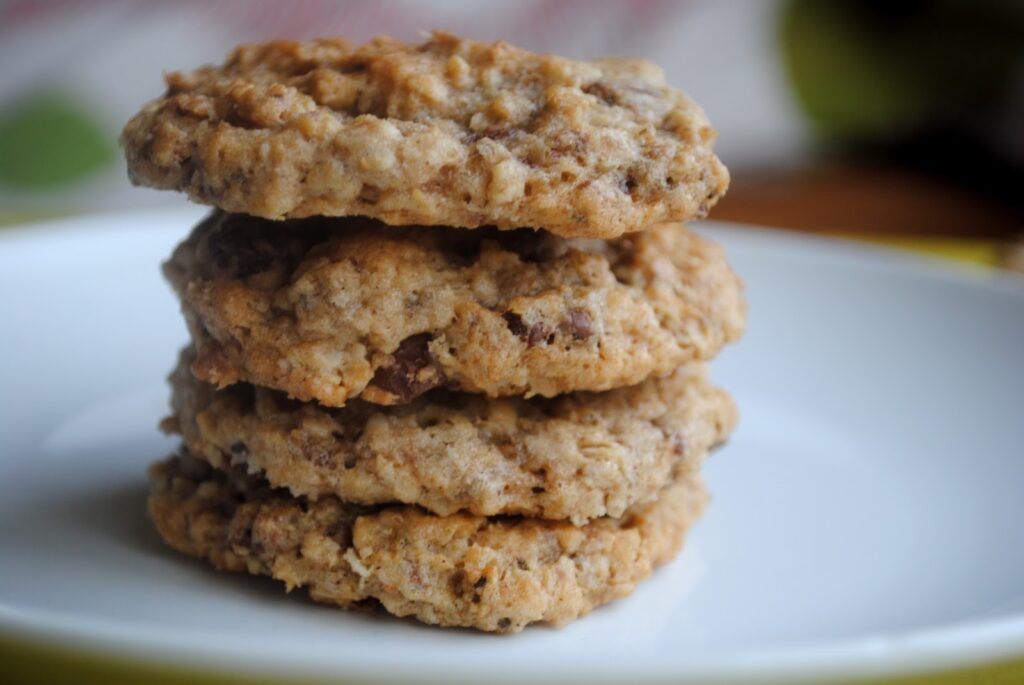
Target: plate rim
{"x": 955, "y": 645}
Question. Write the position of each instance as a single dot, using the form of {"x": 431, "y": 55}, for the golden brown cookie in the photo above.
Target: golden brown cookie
{"x": 448, "y": 132}
{"x": 332, "y": 309}
{"x": 574, "y": 457}
{"x": 494, "y": 574}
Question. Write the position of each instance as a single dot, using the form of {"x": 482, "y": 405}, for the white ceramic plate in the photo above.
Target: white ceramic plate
{"x": 867, "y": 518}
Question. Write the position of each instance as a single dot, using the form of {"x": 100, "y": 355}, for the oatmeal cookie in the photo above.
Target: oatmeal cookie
{"x": 332, "y": 309}
{"x": 494, "y": 574}
{"x": 447, "y": 132}
{"x": 574, "y": 457}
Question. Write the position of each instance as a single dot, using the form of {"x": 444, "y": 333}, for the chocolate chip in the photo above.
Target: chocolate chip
{"x": 239, "y": 448}
{"x": 480, "y": 582}
{"x": 579, "y": 324}
{"x": 457, "y": 582}
{"x": 531, "y": 335}
{"x": 628, "y": 184}
{"x": 415, "y": 350}
{"x": 521, "y": 563}
{"x": 515, "y": 324}
{"x": 539, "y": 333}
{"x": 678, "y": 445}
{"x": 402, "y": 377}
{"x": 504, "y": 623}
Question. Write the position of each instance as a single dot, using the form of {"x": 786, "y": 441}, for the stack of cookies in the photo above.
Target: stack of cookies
{"x": 448, "y": 332}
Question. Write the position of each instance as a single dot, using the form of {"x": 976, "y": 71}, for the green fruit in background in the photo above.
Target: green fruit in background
{"x": 879, "y": 70}
{"x": 47, "y": 141}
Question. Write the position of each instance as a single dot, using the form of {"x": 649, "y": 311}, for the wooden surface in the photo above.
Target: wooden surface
{"x": 865, "y": 200}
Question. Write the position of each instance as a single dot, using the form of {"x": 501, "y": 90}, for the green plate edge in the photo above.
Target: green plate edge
{"x": 27, "y": 661}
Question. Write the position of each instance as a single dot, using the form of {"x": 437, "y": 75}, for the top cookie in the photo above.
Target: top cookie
{"x": 448, "y": 132}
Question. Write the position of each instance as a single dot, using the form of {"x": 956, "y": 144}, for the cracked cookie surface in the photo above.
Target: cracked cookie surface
{"x": 333, "y": 309}
{"x": 574, "y": 457}
{"x": 493, "y": 574}
{"x": 447, "y": 132}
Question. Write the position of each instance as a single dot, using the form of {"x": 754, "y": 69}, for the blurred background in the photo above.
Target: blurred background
{"x": 901, "y": 122}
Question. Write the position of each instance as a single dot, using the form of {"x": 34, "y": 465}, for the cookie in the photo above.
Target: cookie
{"x": 447, "y": 132}
{"x": 332, "y": 309}
{"x": 573, "y": 457}
{"x": 494, "y": 574}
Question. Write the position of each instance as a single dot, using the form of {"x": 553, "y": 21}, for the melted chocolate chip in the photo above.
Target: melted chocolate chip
{"x": 402, "y": 378}
{"x": 531, "y": 335}
{"x": 457, "y": 582}
{"x": 539, "y": 333}
{"x": 579, "y": 324}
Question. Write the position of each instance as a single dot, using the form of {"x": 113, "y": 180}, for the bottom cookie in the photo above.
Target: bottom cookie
{"x": 494, "y": 574}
